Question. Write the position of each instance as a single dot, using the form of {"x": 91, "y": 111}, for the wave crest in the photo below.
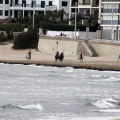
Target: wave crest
{"x": 26, "y": 107}
{"x": 106, "y": 103}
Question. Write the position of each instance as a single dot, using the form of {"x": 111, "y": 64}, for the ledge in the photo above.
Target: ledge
{"x": 101, "y": 66}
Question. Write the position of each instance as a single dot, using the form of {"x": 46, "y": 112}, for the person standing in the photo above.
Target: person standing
{"x": 29, "y": 53}
{"x": 61, "y": 57}
{"x": 57, "y": 56}
{"x": 81, "y": 56}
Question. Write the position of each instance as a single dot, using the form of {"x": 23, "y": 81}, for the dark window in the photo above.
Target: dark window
{"x": 64, "y": 3}
{"x": 1, "y": 1}
{"x": 1, "y": 12}
{"x": 33, "y": 3}
{"x": 16, "y": 1}
{"x": 50, "y": 3}
{"x": 24, "y": 2}
{"x": 42, "y": 4}
{"x": 6, "y": 12}
{"x": 6, "y": 1}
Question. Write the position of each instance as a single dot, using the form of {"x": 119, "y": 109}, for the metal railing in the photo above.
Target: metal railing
{"x": 110, "y": 10}
{"x": 108, "y": 22}
{"x": 89, "y": 50}
{"x": 37, "y": 6}
{"x": 110, "y": 0}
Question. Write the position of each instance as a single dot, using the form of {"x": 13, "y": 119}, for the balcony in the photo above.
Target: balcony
{"x": 110, "y": 10}
{"x": 108, "y": 22}
{"x": 30, "y": 7}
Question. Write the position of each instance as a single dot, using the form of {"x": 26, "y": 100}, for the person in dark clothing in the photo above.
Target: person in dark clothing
{"x": 61, "y": 57}
{"x": 57, "y": 56}
{"x": 81, "y": 56}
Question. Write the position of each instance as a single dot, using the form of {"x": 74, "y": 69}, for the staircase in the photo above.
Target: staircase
{"x": 86, "y": 49}
{"x": 90, "y": 49}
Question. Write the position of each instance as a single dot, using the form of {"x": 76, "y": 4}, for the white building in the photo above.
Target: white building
{"x": 86, "y": 8}
{"x": 12, "y": 8}
{"x": 110, "y": 19}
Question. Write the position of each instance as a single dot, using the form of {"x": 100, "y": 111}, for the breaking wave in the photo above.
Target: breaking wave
{"x": 25, "y": 107}
{"x": 106, "y": 103}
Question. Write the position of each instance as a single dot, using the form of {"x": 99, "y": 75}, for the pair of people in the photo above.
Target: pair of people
{"x": 28, "y": 56}
{"x": 60, "y": 57}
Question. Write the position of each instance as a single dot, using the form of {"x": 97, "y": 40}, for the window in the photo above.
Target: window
{"x": 33, "y": 3}
{"x": 6, "y": 12}
{"x": 16, "y": 1}
{"x": 64, "y": 3}
{"x": 50, "y": 3}
{"x": 1, "y": 1}
{"x": 6, "y": 1}
{"x": 42, "y": 4}
{"x": 24, "y": 3}
{"x": 1, "y": 12}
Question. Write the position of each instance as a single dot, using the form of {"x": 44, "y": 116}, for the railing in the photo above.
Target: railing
{"x": 87, "y": 3}
{"x": 110, "y": 10}
{"x": 93, "y": 4}
{"x": 108, "y": 22}
{"x": 110, "y": 0}
{"x": 37, "y": 5}
{"x": 89, "y": 50}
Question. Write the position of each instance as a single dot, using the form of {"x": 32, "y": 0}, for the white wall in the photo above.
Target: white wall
{"x": 81, "y": 35}
{"x": 4, "y": 7}
{"x": 52, "y": 46}
{"x": 59, "y": 5}
{"x": 106, "y": 50}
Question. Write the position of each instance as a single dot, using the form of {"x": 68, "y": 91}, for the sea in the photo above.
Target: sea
{"x": 30, "y": 92}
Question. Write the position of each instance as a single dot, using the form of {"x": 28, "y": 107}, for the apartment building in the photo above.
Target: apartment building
{"x": 12, "y": 8}
{"x": 110, "y": 19}
{"x": 86, "y": 8}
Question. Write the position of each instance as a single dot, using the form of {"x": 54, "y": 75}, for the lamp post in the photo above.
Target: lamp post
{"x": 23, "y": 10}
{"x": 45, "y": 10}
{"x": 34, "y": 2}
{"x": 13, "y": 9}
{"x": 112, "y": 29}
{"x": 75, "y": 18}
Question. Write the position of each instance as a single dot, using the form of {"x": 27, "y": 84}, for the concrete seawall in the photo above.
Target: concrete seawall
{"x": 106, "y": 48}
{"x": 73, "y": 47}
{"x": 52, "y": 45}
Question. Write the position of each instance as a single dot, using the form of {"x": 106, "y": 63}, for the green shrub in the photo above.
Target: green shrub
{"x": 8, "y": 36}
{"x": 56, "y": 27}
{"x": 15, "y": 27}
{"x": 26, "y": 40}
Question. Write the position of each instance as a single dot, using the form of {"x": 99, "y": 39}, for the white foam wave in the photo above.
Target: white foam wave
{"x": 110, "y": 110}
{"x": 64, "y": 103}
{"x": 71, "y": 70}
{"x": 112, "y": 79}
{"x": 97, "y": 76}
{"x": 32, "y": 107}
{"x": 108, "y": 78}
{"x": 111, "y": 100}
{"x": 79, "y": 118}
{"x": 105, "y": 103}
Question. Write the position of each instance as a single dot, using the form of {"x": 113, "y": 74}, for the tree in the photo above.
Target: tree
{"x": 26, "y": 40}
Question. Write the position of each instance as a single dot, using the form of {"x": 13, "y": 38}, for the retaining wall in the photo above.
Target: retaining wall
{"x": 106, "y": 48}
{"x": 52, "y": 45}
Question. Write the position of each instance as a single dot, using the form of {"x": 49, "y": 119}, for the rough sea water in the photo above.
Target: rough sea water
{"x": 30, "y": 92}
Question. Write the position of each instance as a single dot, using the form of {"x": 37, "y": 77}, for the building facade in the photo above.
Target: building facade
{"x": 12, "y": 8}
{"x": 86, "y": 8}
{"x": 110, "y": 19}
